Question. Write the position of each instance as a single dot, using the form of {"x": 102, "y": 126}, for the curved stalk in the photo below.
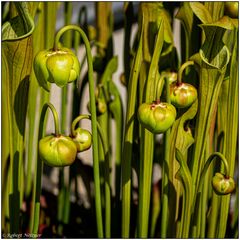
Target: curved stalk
{"x": 106, "y": 172}
{"x": 39, "y": 166}
{"x": 181, "y": 69}
{"x": 210, "y": 159}
{"x": 201, "y": 181}
{"x": 76, "y": 121}
{"x": 55, "y": 116}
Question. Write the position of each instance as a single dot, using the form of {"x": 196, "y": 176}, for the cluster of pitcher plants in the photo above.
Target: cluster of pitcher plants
{"x": 181, "y": 114}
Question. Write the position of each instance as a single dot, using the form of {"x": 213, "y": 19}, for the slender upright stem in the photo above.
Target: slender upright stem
{"x": 106, "y": 182}
{"x": 150, "y": 68}
{"x": 63, "y": 196}
{"x": 160, "y": 84}
{"x": 64, "y": 108}
{"x": 93, "y": 122}
{"x": 165, "y": 172}
{"x": 128, "y": 20}
{"x": 213, "y": 216}
{"x": 128, "y": 141}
